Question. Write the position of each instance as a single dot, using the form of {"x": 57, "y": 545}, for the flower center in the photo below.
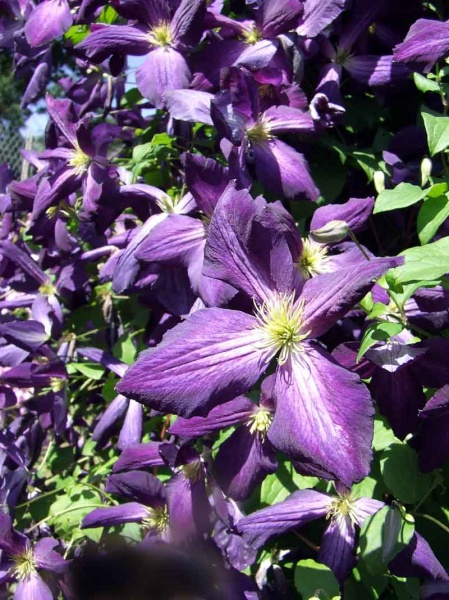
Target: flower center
{"x": 25, "y": 565}
{"x": 167, "y": 204}
{"x": 281, "y": 320}
{"x": 259, "y": 132}
{"x": 251, "y": 36}
{"x": 161, "y": 35}
{"x": 79, "y": 161}
{"x": 57, "y": 384}
{"x": 157, "y": 519}
{"x": 260, "y": 422}
{"x": 342, "y": 506}
{"x": 192, "y": 471}
{"x": 313, "y": 260}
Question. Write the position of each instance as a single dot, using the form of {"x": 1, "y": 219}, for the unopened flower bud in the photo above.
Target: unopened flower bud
{"x": 426, "y": 170}
{"x": 379, "y": 181}
{"x": 334, "y": 231}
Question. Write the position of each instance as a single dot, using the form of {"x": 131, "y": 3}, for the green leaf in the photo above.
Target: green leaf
{"x": 378, "y": 332}
{"x": 431, "y": 216}
{"x": 383, "y": 535}
{"x": 397, "y": 460}
{"x": 437, "y": 129}
{"x": 125, "y": 350}
{"x": 383, "y": 435}
{"x": 91, "y": 370}
{"x": 404, "y": 194}
{"x": 277, "y": 486}
{"x": 425, "y": 85}
{"x": 77, "y": 33}
{"x": 314, "y": 579}
{"x": 141, "y": 151}
{"x": 422, "y": 263}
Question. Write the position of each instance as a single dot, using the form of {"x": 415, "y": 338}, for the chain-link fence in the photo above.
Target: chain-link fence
{"x": 11, "y": 143}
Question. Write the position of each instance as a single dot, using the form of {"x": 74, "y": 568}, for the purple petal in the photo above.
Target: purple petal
{"x": 206, "y": 179}
{"x": 188, "y": 506}
{"x": 13, "y": 253}
{"x": 114, "y": 39}
{"x": 376, "y": 70}
{"x": 33, "y": 588}
{"x": 187, "y": 22}
{"x": 210, "y": 358}
{"x": 258, "y": 55}
{"x": 294, "y": 512}
{"x": 29, "y": 335}
{"x": 61, "y": 113}
{"x": 137, "y": 486}
{"x": 426, "y": 42}
{"x": 47, "y": 558}
{"x": 328, "y": 297}
{"x": 242, "y": 463}
{"x": 283, "y": 170}
{"x": 434, "y": 447}
{"x": 131, "y": 512}
{"x": 139, "y": 456}
{"x": 355, "y": 212}
{"x": 417, "y": 560}
{"x": 325, "y": 413}
{"x": 337, "y": 547}
{"x": 227, "y": 414}
{"x": 164, "y": 70}
{"x": 55, "y": 188}
{"x": 279, "y": 16}
{"x": 365, "y": 507}
{"x": 11, "y": 541}
{"x": 132, "y": 428}
{"x": 189, "y": 105}
{"x": 318, "y": 14}
{"x": 48, "y": 21}
{"x": 244, "y": 253}
{"x": 286, "y": 119}
{"x": 109, "y": 418}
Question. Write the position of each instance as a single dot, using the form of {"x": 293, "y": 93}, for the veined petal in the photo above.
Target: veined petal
{"x": 33, "y": 588}
{"x": 325, "y": 413}
{"x": 189, "y": 105}
{"x": 164, "y": 70}
{"x": 294, "y": 512}
{"x": 318, "y": 14}
{"x": 426, "y": 42}
{"x": 337, "y": 547}
{"x": 131, "y": 512}
{"x": 131, "y": 432}
{"x": 48, "y": 21}
{"x": 139, "y": 456}
{"x": 355, "y": 212}
{"x": 286, "y": 119}
{"x": 212, "y": 357}
{"x": 328, "y": 298}
{"x": 283, "y": 170}
{"x": 114, "y": 39}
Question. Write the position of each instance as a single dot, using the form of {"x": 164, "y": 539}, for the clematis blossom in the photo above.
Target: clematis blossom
{"x": 324, "y": 414}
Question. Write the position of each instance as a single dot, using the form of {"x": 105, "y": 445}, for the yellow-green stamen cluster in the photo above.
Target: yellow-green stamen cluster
{"x": 313, "y": 260}
{"x": 342, "y": 506}
{"x": 157, "y": 519}
{"x": 161, "y": 35}
{"x": 192, "y": 471}
{"x": 48, "y": 289}
{"x": 79, "y": 161}
{"x": 252, "y": 36}
{"x": 167, "y": 204}
{"x": 259, "y": 132}
{"x": 281, "y": 321}
{"x": 25, "y": 565}
{"x": 57, "y": 384}
{"x": 260, "y": 422}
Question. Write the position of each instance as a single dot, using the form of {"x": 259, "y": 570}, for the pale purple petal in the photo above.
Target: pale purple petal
{"x": 355, "y": 212}
{"x": 318, "y": 14}
{"x": 164, "y": 70}
{"x": 33, "y": 588}
{"x": 426, "y": 42}
{"x": 210, "y": 358}
{"x": 114, "y": 39}
{"x": 325, "y": 413}
{"x": 48, "y": 21}
{"x": 298, "y": 509}
{"x": 189, "y": 105}
{"x": 364, "y": 508}
{"x": 337, "y": 547}
{"x": 286, "y": 119}
{"x": 47, "y": 558}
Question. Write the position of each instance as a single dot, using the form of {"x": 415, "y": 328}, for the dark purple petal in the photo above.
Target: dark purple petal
{"x": 137, "y": 486}
{"x": 283, "y": 170}
{"x": 132, "y": 428}
{"x": 434, "y": 446}
{"x": 29, "y": 335}
{"x": 355, "y": 212}
{"x": 188, "y": 506}
{"x": 426, "y": 42}
{"x": 210, "y": 358}
{"x": 279, "y": 16}
{"x": 286, "y": 119}
{"x": 337, "y": 547}
{"x": 131, "y": 512}
{"x": 294, "y": 512}
{"x": 62, "y": 115}
{"x": 164, "y": 70}
{"x": 23, "y": 260}
{"x": 48, "y": 21}
{"x": 242, "y": 463}
{"x": 139, "y": 456}
{"x": 227, "y": 414}
{"x": 417, "y": 560}
{"x": 109, "y": 418}
{"x": 11, "y": 541}
{"x": 206, "y": 179}
{"x": 325, "y": 413}
{"x": 376, "y": 70}
{"x": 114, "y": 39}
{"x": 55, "y": 188}
{"x": 328, "y": 297}
{"x": 187, "y": 23}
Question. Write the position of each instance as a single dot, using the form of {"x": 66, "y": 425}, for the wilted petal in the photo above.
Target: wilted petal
{"x": 294, "y": 512}
{"x": 131, "y": 512}
{"x": 337, "y": 547}
{"x": 210, "y": 358}
{"x": 164, "y": 70}
{"x": 325, "y": 413}
{"x": 48, "y": 21}
{"x": 283, "y": 170}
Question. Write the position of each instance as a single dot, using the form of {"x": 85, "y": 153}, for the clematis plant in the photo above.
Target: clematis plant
{"x": 323, "y": 416}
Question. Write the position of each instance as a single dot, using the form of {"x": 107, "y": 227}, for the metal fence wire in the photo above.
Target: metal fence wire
{"x": 11, "y": 142}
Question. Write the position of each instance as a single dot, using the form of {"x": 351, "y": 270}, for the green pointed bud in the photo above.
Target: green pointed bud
{"x": 379, "y": 181}
{"x": 426, "y": 170}
{"x": 334, "y": 231}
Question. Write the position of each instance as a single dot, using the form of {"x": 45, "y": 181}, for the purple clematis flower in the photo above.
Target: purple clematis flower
{"x": 323, "y": 412}
{"x": 425, "y": 43}
{"x": 164, "y": 36}
{"x": 23, "y": 561}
